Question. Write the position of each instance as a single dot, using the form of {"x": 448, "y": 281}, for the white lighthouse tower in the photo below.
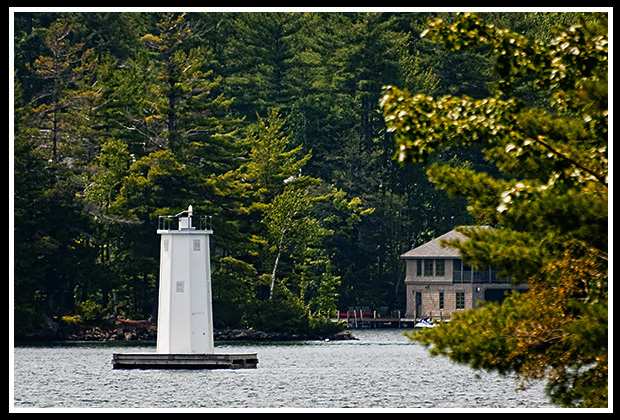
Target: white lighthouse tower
{"x": 185, "y": 319}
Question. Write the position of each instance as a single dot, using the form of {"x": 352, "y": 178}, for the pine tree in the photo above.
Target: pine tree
{"x": 258, "y": 58}
{"x": 296, "y": 214}
{"x": 549, "y": 208}
{"x": 273, "y": 158}
{"x": 67, "y": 64}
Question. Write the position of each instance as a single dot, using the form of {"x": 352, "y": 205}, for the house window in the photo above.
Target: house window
{"x": 440, "y": 268}
{"x": 467, "y": 276}
{"x": 418, "y": 268}
{"x": 440, "y": 300}
{"x": 457, "y": 273}
{"x": 460, "y": 300}
{"x": 428, "y": 268}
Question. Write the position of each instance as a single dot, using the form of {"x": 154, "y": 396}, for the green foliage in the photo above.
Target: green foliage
{"x": 58, "y": 107}
{"x": 122, "y": 117}
{"x": 549, "y": 205}
{"x": 90, "y": 311}
{"x": 290, "y": 235}
{"x": 110, "y": 169}
{"x": 288, "y": 314}
{"x": 283, "y": 314}
{"x": 272, "y": 158}
{"x": 72, "y": 319}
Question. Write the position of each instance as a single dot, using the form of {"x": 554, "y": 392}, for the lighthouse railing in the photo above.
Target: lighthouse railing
{"x": 195, "y": 223}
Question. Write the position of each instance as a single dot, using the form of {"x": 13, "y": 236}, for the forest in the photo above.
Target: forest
{"x": 269, "y": 122}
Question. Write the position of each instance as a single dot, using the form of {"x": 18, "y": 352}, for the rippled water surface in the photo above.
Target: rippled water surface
{"x": 381, "y": 369}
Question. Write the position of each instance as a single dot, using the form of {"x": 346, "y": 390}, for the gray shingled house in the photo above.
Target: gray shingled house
{"x": 438, "y": 283}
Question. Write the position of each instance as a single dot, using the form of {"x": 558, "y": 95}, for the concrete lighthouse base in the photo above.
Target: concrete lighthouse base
{"x": 183, "y": 361}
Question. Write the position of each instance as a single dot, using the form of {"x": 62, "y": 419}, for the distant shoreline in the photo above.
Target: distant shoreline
{"x": 125, "y": 330}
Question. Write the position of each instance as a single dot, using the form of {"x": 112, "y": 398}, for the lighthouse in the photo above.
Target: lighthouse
{"x": 185, "y": 316}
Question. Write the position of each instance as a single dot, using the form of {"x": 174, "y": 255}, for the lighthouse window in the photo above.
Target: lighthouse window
{"x": 165, "y": 244}
{"x": 196, "y": 244}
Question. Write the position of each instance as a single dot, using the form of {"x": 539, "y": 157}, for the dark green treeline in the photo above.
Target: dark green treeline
{"x": 269, "y": 122}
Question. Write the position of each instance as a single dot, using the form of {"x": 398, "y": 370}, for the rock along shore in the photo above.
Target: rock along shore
{"x": 132, "y": 330}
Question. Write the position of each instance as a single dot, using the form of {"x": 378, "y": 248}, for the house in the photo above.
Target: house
{"x": 438, "y": 283}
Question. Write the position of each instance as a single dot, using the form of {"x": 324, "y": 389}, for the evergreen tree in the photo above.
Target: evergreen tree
{"x": 178, "y": 110}
{"x": 65, "y": 65}
{"x": 181, "y": 142}
{"x": 50, "y": 155}
{"x": 257, "y": 61}
{"x": 295, "y": 268}
{"x": 121, "y": 117}
{"x": 282, "y": 196}
{"x": 273, "y": 158}
{"x": 549, "y": 208}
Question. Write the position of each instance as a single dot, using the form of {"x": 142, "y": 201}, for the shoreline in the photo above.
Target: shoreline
{"x": 125, "y": 330}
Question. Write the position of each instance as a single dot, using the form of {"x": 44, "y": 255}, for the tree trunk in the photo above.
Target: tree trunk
{"x": 275, "y": 266}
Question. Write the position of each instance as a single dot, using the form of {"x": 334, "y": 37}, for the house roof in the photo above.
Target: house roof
{"x": 434, "y": 249}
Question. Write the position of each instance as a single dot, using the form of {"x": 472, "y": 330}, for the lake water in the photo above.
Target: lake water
{"x": 382, "y": 369}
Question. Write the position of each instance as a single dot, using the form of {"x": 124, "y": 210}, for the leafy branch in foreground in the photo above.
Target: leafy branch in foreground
{"x": 549, "y": 209}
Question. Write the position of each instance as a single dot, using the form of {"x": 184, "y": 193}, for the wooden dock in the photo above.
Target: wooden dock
{"x": 360, "y": 319}
{"x": 183, "y": 361}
